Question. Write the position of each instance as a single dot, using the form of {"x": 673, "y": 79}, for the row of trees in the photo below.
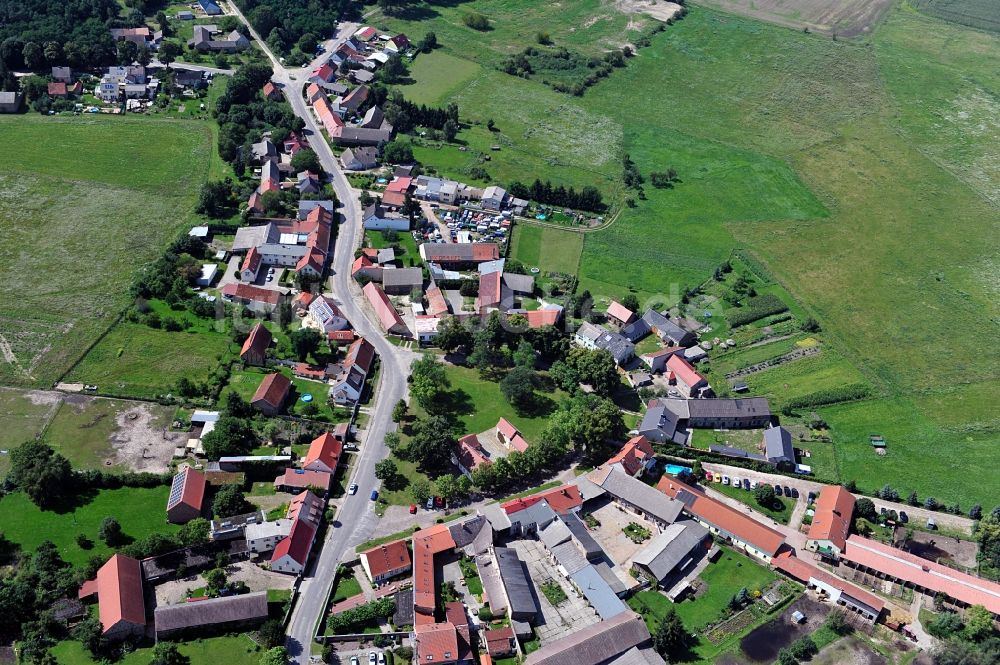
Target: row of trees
{"x": 589, "y": 198}
{"x": 405, "y": 115}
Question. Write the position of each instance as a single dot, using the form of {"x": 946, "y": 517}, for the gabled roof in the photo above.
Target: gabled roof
{"x": 633, "y": 454}
{"x": 805, "y": 571}
{"x": 257, "y": 341}
{"x": 387, "y": 314}
{"x": 723, "y": 517}
{"x": 324, "y": 448}
{"x": 303, "y": 478}
{"x": 251, "y": 261}
{"x": 388, "y": 557}
{"x": 619, "y": 311}
{"x": 516, "y": 581}
{"x": 361, "y": 354}
{"x": 832, "y": 519}
{"x": 273, "y": 389}
{"x": 252, "y": 293}
{"x": 671, "y": 547}
{"x": 436, "y": 303}
{"x": 211, "y": 611}
{"x": 595, "y": 644}
{"x": 684, "y": 371}
{"x": 436, "y": 643}
{"x": 119, "y": 592}
{"x": 426, "y": 543}
{"x": 297, "y": 544}
{"x": 469, "y": 452}
{"x": 561, "y": 499}
{"x": 623, "y": 486}
{"x": 187, "y": 488}
{"x": 778, "y": 444}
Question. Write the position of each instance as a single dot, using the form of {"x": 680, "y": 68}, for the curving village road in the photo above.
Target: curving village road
{"x": 355, "y": 519}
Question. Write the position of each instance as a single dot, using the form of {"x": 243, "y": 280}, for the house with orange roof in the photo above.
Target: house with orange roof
{"x": 324, "y": 454}
{"x": 187, "y": 496}
{"x": 384, "y": 562}
{"x": 251, "y": 265}
{"x": 271, "y": 394}
{"x": 549, "y": 315}
{"x": 437, "y": 644}
{"x": 436, "y": 303}
{"x": 254, "y": 351}
{"x": 271, "y": 92}
{"x": 291, "y": 554}
{"x": 469, "y": 454}
{"x": 387, "y": 315}
{"x": 839, "y": 591}
{"x": 427, "y": 543}
{"x": 297, "y": 480}
{"x": 656, "y": 361}
{"x": 687, "y": 379}
{"x": 635, "y": 457}
{"x": 510, "y": 436}
{"x": 831, "y": 522}
{"x": 740, "y": 529}
{"x": 253, "y": 297}
{"x": 618, "y": 315}
{"x": 120, "y": 599}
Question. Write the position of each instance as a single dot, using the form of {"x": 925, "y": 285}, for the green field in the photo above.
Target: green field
{"x": 440, "y": 75}
{"x": 551, "y": 250}
{"x": 980, "y": 14}
{"x": 94, "y": 198}
{"x": 232, "y": 650}
{"x": 134, "y": 360}
{"x": 140, "y": 511}
{"x": 824, "y": 371}
{"x": 23, "y": 416}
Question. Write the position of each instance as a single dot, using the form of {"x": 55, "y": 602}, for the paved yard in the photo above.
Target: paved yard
{"x": 255, "y": 577}
{"x": 611, "y": 537}
{"x": 572, "y": 614}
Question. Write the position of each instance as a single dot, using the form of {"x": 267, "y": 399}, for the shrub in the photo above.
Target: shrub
{"x": 756, "y": 308}
{"x": 476, "y": 21}
{"x": 848, "y": 393}
{"x": 358, "y": 616}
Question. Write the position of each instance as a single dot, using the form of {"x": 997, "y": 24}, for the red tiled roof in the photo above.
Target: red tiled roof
{"x": 489, "y": 290}
{"x": 618, "y": 311}
{"x": 356, "y": 97}
{"x": 307, "y": 371}
{"x": 665, "y": 351}
{"x": 485, "y": 251}
{"x": 684, "y": 371}
{"x": 297, "y": 544}
{"x": 252, "y": 260}
{"x": 436, "y": 643}
{"x": 305, "y": 506}
{"x": 560, "y": 499}
{"x": 251, "y": 293}
{"x": 426, "y": 543}
{"x": 257, "y": 341}
{"x": 314, "y": 92}
{"x": 803, "y": 571}
{"x": 57, "y": 89}
{"x": 273, "y": 389}
{"x": 436, "y": 304}
{"x": 506, "y": 428}
{"x": 387, "y": 558}
{"x": 470, "y": 452}
{"x": 400, "y": 184}
{"x": 327, "y": 72}
{"x": 360, "y": 264}
{"x": 119, "y": 592}
{"x": 454, "y": 613}
{"x": 340, "y": 335}
{"x": 744, "y": 528}
{"x": 326, "y": 449}
{"x": 498, "y": 641}
{"x": 193, "y": 489}
{"x": 633, "y": 454}
{"x": 254, "y": 202}
{"x": 366, "y": 33}
{"x": 360, "y": 354}
{"x": 269, "y": 89}
{"x": 393, "y": 199}
{"x": 542, "y": 317}
{"x": 902, "y": 565}
{"x": 400, "y": 40}
{"x": 303, "y": 479}
{"x": 832, "y": 520}
{"x": 331, "y": 121}
{"x": 387, "y": 314}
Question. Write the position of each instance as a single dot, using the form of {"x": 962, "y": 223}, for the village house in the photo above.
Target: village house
{"x": 302, "y": 244}
{"x": 62, "y": 75}
{"x": 359, "y": 159}
{"x": 636, "y": 496}
{"x": 204, "y": 40}
{"x": 271, "y": 92}
{"x": 366, "y": 269}
{"x": 387, "y": 315}
{"x": 591, "y": 336}
{"x": 263, "y": 151}
{"x": 377, "y": 217}
{"x": 437, "y": 305}
{"x": 831, "y": 522}
{"x": 348, "y": 382}
{"x": 668, "y": 419}
{"x": 263, "y": 536}
{"x": 618, "y": 315}
{"x": 138, "y": 36}
{"x": 10, "y": 102}
{"x": 840, "y": 592}
{"x": 386, "y": 561}
{"x": 673, "y": 551}
{"x": 120, "y": 604}
{"x": 272, "y": 394}
{"x": 621, "y": 639}
{"x": 777, "y": 445}
{"x": 686, "y": 378}
{"x": 457, "y": 255}
{"x": 308, "y": 182}
{"x": 291, "y": 554}
{"x": 402, "y": 281}
{"x": 635, "y": 457}
{"x": 294, "y": 480}
{"x": 430, "y": 188}
{"x": 494, "y": 198}
{"x": 668, "y": 332}
{"x": 469, "y": 454}
{"x": 324, "y": 454}
{"x": 326, "y": 316}
{"x": 187, "y": 495}
{"x": 254, "y": 351}
{"x": 656, "y": 361}
{"x": 510, "y": 437}
{"x": 394, "y": 194}
{"x": 255, "y": 298}
{"x": 209, "y": 8}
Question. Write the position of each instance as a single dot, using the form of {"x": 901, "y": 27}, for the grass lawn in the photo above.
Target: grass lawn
{"x": 81, "y": 429}
{"x": 551, "y": 250}
{"x": 824, "y": 371}
{"x": 404, "y": 242}
{"x": 440, "y": 75}
{"x": 347, "y": 586}
{"x": 375, "y": 542}
{"x": 781, "y": 515}
{"x": 724, "y": 578}
{"x": 232, "y": 650}
{"x": 134, "y": 360}
{"x": 245, "y": 382}
{"x": 482, "y": 405}
{"x": 23, "y": 416}
{"x": 110, "y": 193}
{"x": 141, "y": 511}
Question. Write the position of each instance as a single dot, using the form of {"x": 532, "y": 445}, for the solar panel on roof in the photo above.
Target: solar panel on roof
{"x": 176, "y": 490}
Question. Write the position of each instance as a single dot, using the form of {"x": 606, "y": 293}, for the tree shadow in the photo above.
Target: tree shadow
{"x": 457, "y": 403}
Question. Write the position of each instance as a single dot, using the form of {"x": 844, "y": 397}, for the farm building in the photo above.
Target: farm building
{"x": 187, "y": 494}
{"x": 120, "y": 604}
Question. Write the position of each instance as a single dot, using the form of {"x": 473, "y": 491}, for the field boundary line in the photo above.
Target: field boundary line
{"x": 90, "y": 347}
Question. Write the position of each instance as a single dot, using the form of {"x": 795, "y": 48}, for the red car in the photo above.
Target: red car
{"x": 413, "y": 509}
{"x": 439, "y": 502}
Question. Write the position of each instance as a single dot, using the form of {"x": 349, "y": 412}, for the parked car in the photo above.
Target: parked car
{"x": 439, "y": 502}
{"x": 430, "y": 503}
{"x": 795, "y": 493}
{"x": 725, "y": 480}
{"x": 746, "y": 483}
{"x": 736, "y": 482}
{"x": 753, "y": 484}
{"x": 371, "y": 657}
{"x": 354, "y": 660}
{"x": 381, "y": 658}
{"x": 788, "y": 491}
{"x": 353, "y": 489}
{"x": 903, "y": 517}
{"x": 717, "y": 478}
{"x": 374, "y": 495}
{"x": 708, "y": 475}
{"x": 413, "y": 509}
{"x": 777, "y": 490}
{"x": 811, "y": 497}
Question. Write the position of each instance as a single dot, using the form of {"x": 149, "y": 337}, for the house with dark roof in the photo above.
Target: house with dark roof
{"x": 10, "y": 102}
{"x": 215, "y": 615}
{"x": 778, "y": 446}
{"x": 522, "y": 604}
{"x": 636, "y": 496}
{"x": 254, "y": 351}
{"x": 721, "y": 519}
{"x": 591, "y": 336}
{"x": 187, "y": 494}
{"x": 386, "y": 561}
{"x": 272, "y": 394}
{"x": 831, "y": 522}
{"x": 668, "y": 332}
{"x": 673, "y": 551}
{"x": 598, "y": 644}
{"x": 120, "y": 599}
{"x": 359, "y": 159}
{"x": 663, "y": 425}
{"x": 667, "y": 419}
{"x": 402, "y": 281}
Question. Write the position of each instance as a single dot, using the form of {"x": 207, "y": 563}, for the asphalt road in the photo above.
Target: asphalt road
{"x": 356, "y": 519}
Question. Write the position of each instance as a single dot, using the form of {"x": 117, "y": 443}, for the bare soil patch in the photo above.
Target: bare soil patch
{"x": 844, "y": 18}
{"x": 142, "y": 441}
{"x": 661, "y": 11}
{"x": 762, "y": 645}
{"x": 849, "y": 651}
{"x": 933, "y": 547}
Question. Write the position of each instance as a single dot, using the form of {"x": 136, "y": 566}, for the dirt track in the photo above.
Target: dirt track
{"x": 844, "y": 18}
